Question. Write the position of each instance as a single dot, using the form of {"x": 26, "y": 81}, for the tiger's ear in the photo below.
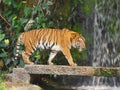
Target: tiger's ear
{"x": 72, "y": 37}
{"x": 82, "y": 37}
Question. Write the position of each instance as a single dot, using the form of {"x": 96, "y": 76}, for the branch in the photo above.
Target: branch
{"x": 29, "y": 24}
{"x": 5, "y": 20}
{"x": 39, "y": 3}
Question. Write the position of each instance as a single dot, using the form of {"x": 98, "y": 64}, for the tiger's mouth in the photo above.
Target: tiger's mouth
{"x": 81, "y": 49}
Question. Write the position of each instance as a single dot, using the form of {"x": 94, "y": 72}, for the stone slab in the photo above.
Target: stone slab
{"x": 20, "y": 75}
{"x": 23, "y": 74}
{"x": 73, "y": 70}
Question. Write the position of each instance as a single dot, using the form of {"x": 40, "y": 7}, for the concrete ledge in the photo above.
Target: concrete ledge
{"x": 23, "y": 74}
{"x": 20, "y": 75}
{"x": 73, "y": 70}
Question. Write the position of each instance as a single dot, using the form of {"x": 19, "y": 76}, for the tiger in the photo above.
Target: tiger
{"x": 54, "y": 39}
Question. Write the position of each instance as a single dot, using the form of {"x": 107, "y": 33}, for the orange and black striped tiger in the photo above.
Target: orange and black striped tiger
{"x": 54, "y": 39}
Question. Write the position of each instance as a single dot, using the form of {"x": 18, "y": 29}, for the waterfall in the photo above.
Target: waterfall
{"x": 106, "y": 50}
{"x": 106, "y": 45}
{"x": 106, "y": 33}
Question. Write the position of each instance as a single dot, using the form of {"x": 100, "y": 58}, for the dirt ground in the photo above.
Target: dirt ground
{"x": 10, "y": 84}
{"x": 21, "y": 86}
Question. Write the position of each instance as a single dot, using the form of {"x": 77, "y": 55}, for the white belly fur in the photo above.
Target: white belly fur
{"x": 56, "y": 47}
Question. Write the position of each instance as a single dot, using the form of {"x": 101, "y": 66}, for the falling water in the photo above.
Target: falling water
{"x": 107, "y": 33}
{"x": 106, "y": 39}
{"x": 106, "y": 44}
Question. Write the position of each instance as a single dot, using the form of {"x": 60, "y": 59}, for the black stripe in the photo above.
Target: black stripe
{"x": 46, "y": 44}
{"x": 39, "y": 35}
{"x": 52, "y": 45}
{"x": 54, "y": 51}
{"x": 43, "y": 43}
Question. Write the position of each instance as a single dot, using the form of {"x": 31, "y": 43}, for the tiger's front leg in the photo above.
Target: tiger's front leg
{"x": 51, "y": 56}
{"x": 68, "y": 56}
{"x": 26, "y": 58}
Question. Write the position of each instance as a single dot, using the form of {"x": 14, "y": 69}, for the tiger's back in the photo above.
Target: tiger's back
{"x": 43, "y": 38}
{"x": 53, "y": 39}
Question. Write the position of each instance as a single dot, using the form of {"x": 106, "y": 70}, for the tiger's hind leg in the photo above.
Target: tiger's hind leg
{"x": 26, "y": 57}
{"x": 51, "y": 56}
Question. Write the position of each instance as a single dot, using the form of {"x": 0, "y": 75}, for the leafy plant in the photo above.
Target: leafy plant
{"x": 2, "y": 81}
{"x": 2, "y": 86}
{"x": 2, "y": 36}
{"x": 13, "y": 20}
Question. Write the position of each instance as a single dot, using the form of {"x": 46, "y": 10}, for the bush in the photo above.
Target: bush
{"x": 14, "y": 17}
{"x": 2, "y": 86}
{"x": 2, "y": 83}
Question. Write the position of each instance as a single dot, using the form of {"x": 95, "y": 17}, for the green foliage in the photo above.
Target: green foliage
{"x": 77, "y": 28}
{"x": 106, "y": 72}
{"x": 2, "y": 81}
{"x": 75, "y": 2}
{"x": 86, "y": 5}
{"x": 2, "y": 36}
{"x": 118, "y": 49}
{"x": 86, "y": 8}
{"x": 2, "y": 86}
{"x": 80, "y": 56}
{"x": 14, "y": 18}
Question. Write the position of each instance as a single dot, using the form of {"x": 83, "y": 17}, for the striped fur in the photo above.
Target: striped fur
{"x": 54, "y": 39}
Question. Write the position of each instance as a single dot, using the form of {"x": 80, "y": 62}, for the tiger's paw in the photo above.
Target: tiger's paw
{"x": 74, "y": 64}
{"x": 30, "y": 63}
{"x": 50, "y": 63}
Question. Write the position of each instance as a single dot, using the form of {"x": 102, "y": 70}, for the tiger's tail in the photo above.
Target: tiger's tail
{"x": 18, "y": 47}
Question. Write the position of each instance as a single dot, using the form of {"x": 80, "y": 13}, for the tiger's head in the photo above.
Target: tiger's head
{"x": 77, "y": 41}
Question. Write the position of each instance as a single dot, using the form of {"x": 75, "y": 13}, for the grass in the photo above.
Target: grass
{"x": 2, "y": 85}
{"x": 2, "y": 81}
